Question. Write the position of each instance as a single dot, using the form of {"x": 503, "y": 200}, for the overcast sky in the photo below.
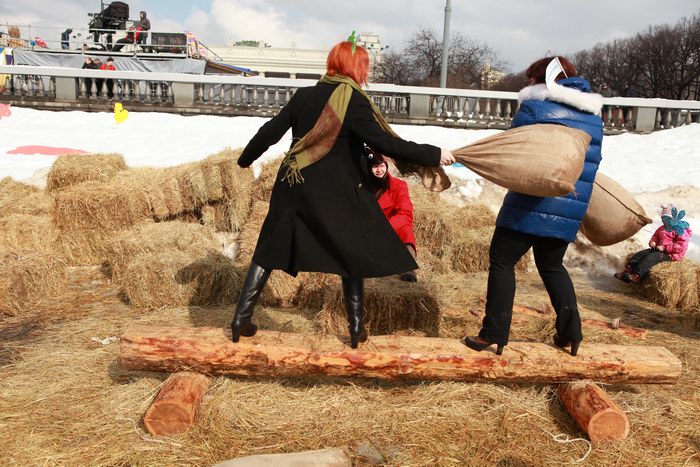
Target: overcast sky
{"x": 519, "y": 30}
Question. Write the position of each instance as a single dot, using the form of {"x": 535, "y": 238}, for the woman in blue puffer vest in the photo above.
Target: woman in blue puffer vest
{"x": 547, "y": 225}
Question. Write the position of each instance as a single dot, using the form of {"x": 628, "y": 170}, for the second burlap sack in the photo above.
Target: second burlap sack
{"x": 613, "y": 214}
{"x": 537, "y": 160}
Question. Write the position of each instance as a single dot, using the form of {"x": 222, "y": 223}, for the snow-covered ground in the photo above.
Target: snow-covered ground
{"x": 661, "y": 167}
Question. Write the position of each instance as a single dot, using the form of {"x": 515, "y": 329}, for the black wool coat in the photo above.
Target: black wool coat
{"x": 332, "y": 222}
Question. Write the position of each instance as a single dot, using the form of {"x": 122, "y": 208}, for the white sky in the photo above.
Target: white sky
{"x": 520, "y": 30}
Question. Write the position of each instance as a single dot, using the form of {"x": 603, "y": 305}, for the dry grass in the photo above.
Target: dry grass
{"x": 84, "y": 247}
{"x": 29, "y": 280}
{"x": 390, "y": 306}
{"x": 174, "y": 278}
{"x": 20, "y": 198}
{"x": 313, "y": 288}
{"x": 251, "y": 231}
{"x": 674, "y": 284}
{"x": 78, "y": 406}
{"x": 72, "y": 169}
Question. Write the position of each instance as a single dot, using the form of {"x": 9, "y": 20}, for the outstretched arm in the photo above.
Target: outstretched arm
{"x": 269, "y": 134}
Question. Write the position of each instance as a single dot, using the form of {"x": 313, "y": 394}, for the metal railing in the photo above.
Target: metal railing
{"x": 235, "y": 95}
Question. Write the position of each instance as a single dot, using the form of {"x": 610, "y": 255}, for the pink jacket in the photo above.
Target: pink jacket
{"x": 674, "y": 245}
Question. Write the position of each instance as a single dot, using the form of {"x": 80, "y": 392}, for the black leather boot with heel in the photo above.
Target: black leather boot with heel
{"x": 353, "y": 290}
{"x": 568, "y": 327}
{"x": 255, "y": 280}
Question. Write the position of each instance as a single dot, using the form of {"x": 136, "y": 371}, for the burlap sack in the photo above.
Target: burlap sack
{"x": 613, "y": 214}
{"x": 537, "y": 160}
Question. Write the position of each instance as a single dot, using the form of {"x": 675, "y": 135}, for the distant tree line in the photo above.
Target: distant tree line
{"x": 662, "y": 61}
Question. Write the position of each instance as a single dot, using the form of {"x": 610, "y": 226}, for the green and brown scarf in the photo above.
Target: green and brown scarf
{"x": 317, "y": 143}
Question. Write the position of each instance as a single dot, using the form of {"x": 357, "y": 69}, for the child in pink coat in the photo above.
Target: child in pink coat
{"x": 669, "y": 243}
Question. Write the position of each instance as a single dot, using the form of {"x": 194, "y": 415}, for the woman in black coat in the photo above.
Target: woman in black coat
{"x": 326, "y": 219}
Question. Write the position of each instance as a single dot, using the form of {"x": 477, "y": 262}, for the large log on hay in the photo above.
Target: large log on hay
{"x": 613, "y": 214}
{"x": 175, "y": 278}
{"x": 470, "y": 251}
{"x": 174, "y": 410}
{"x": 390, "y": 305}
{"x": 594, "y": 412}
{"x": 30, "y": 280}
{"x": 20, "y": 198}
{"x": 194, "y": 239}
{"x": 210, "y": 350}
{"x": 72, "y": 169}
{"x": 674, "y": 284}
{"x": 537, "y": 160}
{"x": 332, "y": 457}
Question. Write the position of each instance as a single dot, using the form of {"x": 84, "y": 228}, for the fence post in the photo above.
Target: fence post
{"x": 183, "y": 94}
{"x": 645, "y": 119}
{"x": 419, "y": 106}
{"x": 66, "y": 89}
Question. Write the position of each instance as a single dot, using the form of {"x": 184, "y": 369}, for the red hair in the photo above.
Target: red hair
{"x": 538, "y": 70}
{"x": 341, "y": 61}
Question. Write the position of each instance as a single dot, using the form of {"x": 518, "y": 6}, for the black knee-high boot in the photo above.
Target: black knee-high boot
{"x": 354, "y": 306}
{"x": 255, "y": 280}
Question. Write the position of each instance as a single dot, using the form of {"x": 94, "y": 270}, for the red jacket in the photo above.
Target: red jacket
{"x": 105, "y": 66}
{"x": 397, "y": 207}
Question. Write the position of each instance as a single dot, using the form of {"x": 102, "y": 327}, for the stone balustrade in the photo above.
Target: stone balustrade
{"x": 66, "y": 88}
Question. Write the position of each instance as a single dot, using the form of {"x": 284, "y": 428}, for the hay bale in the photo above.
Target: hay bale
{"x": 193, "y": 239}
{"x": 262, "y": 186}
{"x": 470, "y": 251}
{"x": 313, "y": 287}
{"x": 20, "y": 233}
{"x": 390, "y": 305}
{"x": 84, "y": 247}
{"x": 430, "y": 264}
{"x": 174, "y": 278}
{"x": 27, "y": 281}
{"x": 237, "y": 184}
{"x": 250, "y": 232}
{"x": 471, "y": 216}
{"x": 120, "y": 203}
{"x": 429, "y": 221}
{"x": 673, "y": 284}
{"x": 71, "y": 169}
{"x": 280, "y": 290}
{"x": 20, "y": 198}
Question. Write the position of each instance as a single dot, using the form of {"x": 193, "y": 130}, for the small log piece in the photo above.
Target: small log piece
{"x": 594, "y": 412}
{"x": 174, "y": 409}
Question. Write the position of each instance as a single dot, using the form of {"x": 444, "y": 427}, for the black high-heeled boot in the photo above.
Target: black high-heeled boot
{"x": 568, "y": 324}
{"x": 354, "y": 306}
{"x": 255, "y": 280}
{"x": 474, "y": 344}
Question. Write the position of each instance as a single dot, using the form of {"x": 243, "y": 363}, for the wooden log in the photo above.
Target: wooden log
{"x": 594, "y": 412}
{"x": 174, "y": 409}
{"x": 209, "y": 350}
{"x": 335, "y": 457}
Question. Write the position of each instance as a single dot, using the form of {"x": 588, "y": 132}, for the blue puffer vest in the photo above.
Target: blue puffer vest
{"x": 571, "y": 104}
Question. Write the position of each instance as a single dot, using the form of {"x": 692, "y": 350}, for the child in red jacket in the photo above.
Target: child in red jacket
{"x": 392, "y": 196}
{"x": 669, "y": 243}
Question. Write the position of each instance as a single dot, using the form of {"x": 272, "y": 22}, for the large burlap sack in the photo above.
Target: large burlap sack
{"x": 613, "y": 214}
{"x": 537, "y": 160}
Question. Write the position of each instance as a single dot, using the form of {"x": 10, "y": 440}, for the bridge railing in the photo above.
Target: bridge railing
{"x": 46, "y": 87}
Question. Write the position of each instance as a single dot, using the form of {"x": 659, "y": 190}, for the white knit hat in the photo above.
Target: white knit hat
{"x": 666, "y": 210}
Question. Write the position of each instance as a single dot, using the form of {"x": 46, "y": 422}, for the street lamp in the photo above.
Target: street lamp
{"x": 445, "y": 45}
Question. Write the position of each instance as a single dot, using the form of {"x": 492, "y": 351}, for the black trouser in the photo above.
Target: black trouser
{"x": 642, "y": 261}
{"x": 507, "y": 247}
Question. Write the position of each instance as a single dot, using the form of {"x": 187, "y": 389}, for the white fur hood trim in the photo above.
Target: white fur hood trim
{"x": 588, "y": 102}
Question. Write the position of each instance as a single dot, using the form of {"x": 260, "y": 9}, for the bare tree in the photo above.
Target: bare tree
{"x": 419, "y": 63}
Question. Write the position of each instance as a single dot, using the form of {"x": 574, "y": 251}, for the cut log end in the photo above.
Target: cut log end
{"x": 608, "y": 425}
{"x": 174, "y": 409}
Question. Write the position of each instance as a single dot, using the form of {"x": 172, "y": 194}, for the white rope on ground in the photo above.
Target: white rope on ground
{"x": 563, "y": 439}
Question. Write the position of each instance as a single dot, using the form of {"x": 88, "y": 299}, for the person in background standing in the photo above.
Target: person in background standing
{"x": 145, "y": 24}
{"x": 89, "y": 65}
{"x": 65, "y": 39}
